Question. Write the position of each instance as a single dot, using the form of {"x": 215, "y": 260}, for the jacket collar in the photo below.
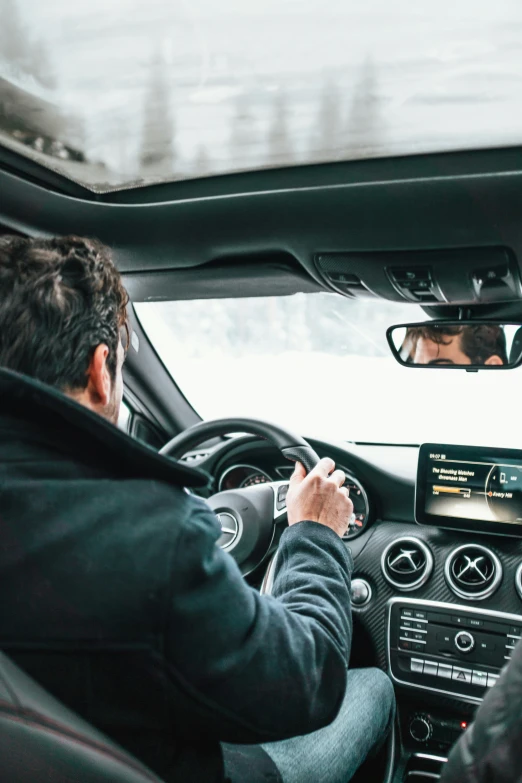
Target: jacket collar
{"x": 41, "y": 406}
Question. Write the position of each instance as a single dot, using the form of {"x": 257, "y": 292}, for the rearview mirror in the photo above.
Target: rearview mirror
{"x": 469, "y": 345}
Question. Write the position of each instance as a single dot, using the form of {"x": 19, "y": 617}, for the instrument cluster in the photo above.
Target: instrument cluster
{"x": 244, "y": 475}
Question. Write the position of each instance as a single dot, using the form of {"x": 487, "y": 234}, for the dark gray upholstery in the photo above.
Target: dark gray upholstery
{"x": 41, "y": 740}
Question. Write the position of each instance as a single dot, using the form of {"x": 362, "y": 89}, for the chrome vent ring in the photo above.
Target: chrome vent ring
{"x": 518, "y": 581}
{"x": 407, "y": 563}
{"x": 473, "y": 571}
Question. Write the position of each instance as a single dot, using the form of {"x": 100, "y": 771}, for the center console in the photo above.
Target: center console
{"x": 447, "y": 649}
{"x": 441, "y": 603}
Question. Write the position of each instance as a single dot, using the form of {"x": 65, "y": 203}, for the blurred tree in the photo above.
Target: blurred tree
{"x": 22, "y": 54}
{"x": 279, "y": 141}
{"x": 243, "y": 138}
{"x": 365, "y": 127}
{"x": 157, "y": 154}
{"x": 40, "y": 65}
{"x": 327, "y": 139}
{"x": 202, "y": 164}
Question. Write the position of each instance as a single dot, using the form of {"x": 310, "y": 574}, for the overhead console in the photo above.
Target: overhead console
{"x": 454, "y": 276}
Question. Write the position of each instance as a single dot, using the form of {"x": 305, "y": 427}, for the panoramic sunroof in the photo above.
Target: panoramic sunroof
{"x": 126, "y": 93}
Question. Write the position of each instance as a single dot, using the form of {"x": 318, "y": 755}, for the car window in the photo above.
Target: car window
{"x": 124, "y": 420}
{"x": 320, "y": 364}
{"x": 161, "y": 91}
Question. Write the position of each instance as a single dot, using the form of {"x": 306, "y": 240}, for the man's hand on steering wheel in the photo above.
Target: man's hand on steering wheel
{"x": 319, "y": 497}
{"x": 251, "y": 516}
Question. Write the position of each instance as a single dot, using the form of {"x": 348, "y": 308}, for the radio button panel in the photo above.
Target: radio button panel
{"x": 455, "y": 650}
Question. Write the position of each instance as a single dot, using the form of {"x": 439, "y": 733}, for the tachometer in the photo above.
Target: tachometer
{"x": 361, "y": 506}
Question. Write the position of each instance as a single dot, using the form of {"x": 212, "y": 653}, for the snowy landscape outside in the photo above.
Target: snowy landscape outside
{"x": 129, "y": 92}
{"x": 320, "y": 364}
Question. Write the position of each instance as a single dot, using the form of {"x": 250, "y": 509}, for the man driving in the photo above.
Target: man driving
{"x": 478, "y": 344}
{"x": 115, "y": 596}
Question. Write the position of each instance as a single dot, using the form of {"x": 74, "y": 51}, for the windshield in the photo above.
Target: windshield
{"x": 128, "y": 92}
{"x": 320, "y": 364}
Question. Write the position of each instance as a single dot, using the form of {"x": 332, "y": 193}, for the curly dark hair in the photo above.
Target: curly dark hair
{"x": 59, "y": 299}
{"x": 478, "y": 341}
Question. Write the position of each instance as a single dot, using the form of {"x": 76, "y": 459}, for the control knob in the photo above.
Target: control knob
{"x": 361, "y": 592}
{"x": 421, "y": 728}
{"x": 464, "y": 642}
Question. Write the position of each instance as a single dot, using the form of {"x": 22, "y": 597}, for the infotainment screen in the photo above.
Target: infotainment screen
{"x": 470, "y": 488}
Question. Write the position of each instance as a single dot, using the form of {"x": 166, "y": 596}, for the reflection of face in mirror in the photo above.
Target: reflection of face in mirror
{"x": 483, "y": 344}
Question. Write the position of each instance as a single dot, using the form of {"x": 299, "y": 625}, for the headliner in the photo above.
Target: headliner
{"x": 270, "y": 224}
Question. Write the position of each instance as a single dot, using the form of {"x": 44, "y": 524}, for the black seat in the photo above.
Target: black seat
{"x": 42, "y": 740}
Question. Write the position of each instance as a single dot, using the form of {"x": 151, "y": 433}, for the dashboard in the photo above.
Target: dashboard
{"x": 437, "y": 598}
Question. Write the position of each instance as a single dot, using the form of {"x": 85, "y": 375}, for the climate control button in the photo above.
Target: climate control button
{"x": 464, "y": 641}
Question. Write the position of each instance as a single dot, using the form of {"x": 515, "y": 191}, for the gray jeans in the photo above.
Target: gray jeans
{"x": 333, "y": 754}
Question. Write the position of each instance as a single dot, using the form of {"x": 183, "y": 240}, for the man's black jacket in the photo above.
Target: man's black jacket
{"x": 115, "y": 597}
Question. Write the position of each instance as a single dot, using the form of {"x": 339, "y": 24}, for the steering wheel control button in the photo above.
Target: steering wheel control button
{"x": 480, "y": 679}
{"x": 445, "y": 671}
{"x": 361, "y": 593}
{"x": 464, "y": 641}
{"x": 282, "y": 492}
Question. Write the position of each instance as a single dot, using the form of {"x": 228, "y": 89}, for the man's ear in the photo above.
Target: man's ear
{"x": 99, "y": 384}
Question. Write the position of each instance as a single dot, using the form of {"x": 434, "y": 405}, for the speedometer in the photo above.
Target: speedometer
{"x": 239, "y": 476}
{"x": 361, "y": 506}
{"x": 254, "y": 479}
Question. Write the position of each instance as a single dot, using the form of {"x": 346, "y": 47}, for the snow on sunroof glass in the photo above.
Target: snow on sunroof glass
{"x": 130, "y": 92}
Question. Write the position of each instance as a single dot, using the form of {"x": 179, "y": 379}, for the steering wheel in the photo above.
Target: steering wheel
{"x": 249, "y": 517}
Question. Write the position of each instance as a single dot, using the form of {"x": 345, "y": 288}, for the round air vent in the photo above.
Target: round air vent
{"x": 472, "y": 571}
{"x": 407, "y": 563}
{"x": 518, "y": 581}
